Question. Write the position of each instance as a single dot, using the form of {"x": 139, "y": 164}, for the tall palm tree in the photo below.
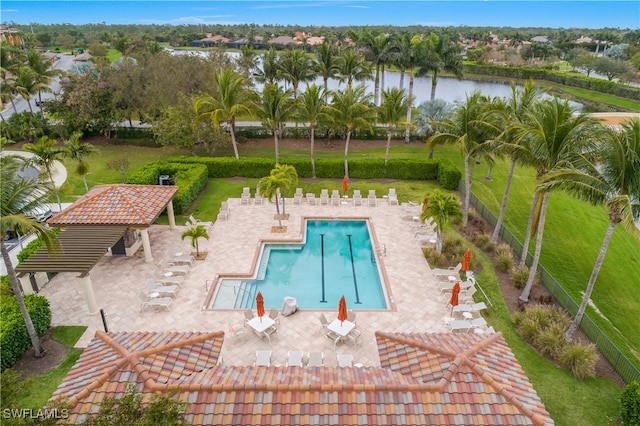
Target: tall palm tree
{"x": 441, "y": 56}
{"x": 311, "y": 108}
{"x": 326, "y": 62}
{"x": 296, "y": 67}
{"x": 269, "y": 187}
{"x": 378, "y": 47}
{"x": 247, "y": 62}
{"x": 554, "y": 136}
{"x": 411, "y": 52}
{"x": 269, "y": 71}
{"x": 613, "y": 182}
{"x": 428, "y": 114}
{"x": 350, "y": 110}
{"x": 288, "y": 178}
{"x": 77, "y": 150}
{"x": 392, "y": 112}
{"x": 353, "y": 67}
{"x": 274, "y": 110}
{"x": 46, "y": 151}
{"x": 26, "y": 84}
{"x": 20, "y": 195}
{"x": 465, "y": 131}
{"x": 43, "y": 72}
{"x": 441, "y": 207}
{"x": 231, "y": 98}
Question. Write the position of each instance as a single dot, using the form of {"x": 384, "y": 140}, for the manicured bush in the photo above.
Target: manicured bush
{"x": 580, "y": 359}
{"x": 630, "y": 404}
{"x": 550, "y": 341}
{"x": 448, "y": 175}
{"x": 5, "y": 286}
{"x": 14, "y": 339}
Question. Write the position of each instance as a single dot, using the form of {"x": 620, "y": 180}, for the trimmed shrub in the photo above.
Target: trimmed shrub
{"x": 580, "y": 359}
{"x": 448, "y": 175}
{"x": 551, "y": 341}
{"x": 14, "y": 339}
{"x": 519, "y": 277}
{"x": 504, "y": 262}
{"x": 630, "y": 404}
{"x": 5, "y": 286}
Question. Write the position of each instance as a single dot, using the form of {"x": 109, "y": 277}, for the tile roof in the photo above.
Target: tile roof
{"x": 117, "y": 205}
{"x": 435, "y": 379}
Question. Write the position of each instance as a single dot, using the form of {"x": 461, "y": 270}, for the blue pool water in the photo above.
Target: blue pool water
{"x": 336, "y": 260}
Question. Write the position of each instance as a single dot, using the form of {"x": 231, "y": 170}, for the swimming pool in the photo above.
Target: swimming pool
{"x": 336, "y": 259}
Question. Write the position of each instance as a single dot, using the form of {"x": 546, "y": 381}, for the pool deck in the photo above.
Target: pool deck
{"x": 233, "y": 247}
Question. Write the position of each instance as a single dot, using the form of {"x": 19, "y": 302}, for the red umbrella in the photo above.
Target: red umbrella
{"x": 342, "y": 309}
{"x": 455, "y": 291}
{"x": 345, "y": 184}
{"x": 260, "y": 305}
{"x": 466, "y": 261}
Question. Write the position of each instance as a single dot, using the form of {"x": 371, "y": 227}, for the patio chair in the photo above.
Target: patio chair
{"x": 372, "y": 199}
{"x": 315, "y": 359}
{"x": 392, "y": 198}
{"x": 459, "y": 325}
{"x": 294, "y": 359}
{"x": 157, "y": 303}
{"x": 248, "y": 316}
{"x": 297, "y": 197}
{"x": 453, "y": 270}
{"x": 172, "y": 280}
{"x": 258, "y": 199}
{"x": 335, "y": 198}
{"x": 224, "y": 211}
{"x": 177, "y": 269}
{"x": 351, "y": 316}
{"x": 246, "y": 195}
{"x": 263, "y": 358}
{"x": 161, "y": 290}
{"x": 274, "y": 315}
{"x": 195, "y": 222}
{"x": 357, "y": 197}
{"x": 311, "y": 198}
{"x": 324, "y": 322}
{"x": 355, "y": 336}
{"x": 182, "y": 260}
{"x": 344, "y": 360}
{"x": 324, "y": 197}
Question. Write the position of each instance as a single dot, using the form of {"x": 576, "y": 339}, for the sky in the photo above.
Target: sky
{"x": 515, "y": 13}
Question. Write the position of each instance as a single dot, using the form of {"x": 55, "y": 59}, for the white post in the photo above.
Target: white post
{"x": 89, "y": 295}
{"x": 170, "y": 214}
{"x": 146, "y": 245}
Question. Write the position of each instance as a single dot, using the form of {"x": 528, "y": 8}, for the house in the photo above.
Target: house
{"x": 540, "y": 39}
{"x": 284, "y": 41}
{"x": 210, "y": 41}
{"x": 258, "y": 43}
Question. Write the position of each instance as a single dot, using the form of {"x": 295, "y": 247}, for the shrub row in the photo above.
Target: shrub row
{"x": 189, "y": 177}
{"x": 260, "y": 132}
{"x": 574, "y": 80}
{"x": 14, "y": 339}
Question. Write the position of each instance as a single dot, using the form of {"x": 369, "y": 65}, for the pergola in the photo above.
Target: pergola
{"x": 95, "y": 222}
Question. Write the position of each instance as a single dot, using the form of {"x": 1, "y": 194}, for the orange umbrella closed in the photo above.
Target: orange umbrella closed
{"x": 455, "y": 291}
{"x": 345, "y": 184}
{"x": 342, "y": 309}
{"x": 466, "y": 261}
{"x": 260, "y": 305}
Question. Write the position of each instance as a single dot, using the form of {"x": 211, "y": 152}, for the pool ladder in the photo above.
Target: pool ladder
{"x": 381, "y": 250}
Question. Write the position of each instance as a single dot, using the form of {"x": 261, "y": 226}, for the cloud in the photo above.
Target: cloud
{"x": 292, "y": 5}
{"x": 358, "y": 7}
{"x": 193, "y": 20}
{"x": 9, "y": 10}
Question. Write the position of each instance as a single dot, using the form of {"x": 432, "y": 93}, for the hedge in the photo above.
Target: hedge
{"x": 14, "y": 339}
{"x": 189, "y": 177}
{"x": 34, "y": 246}
{"x": 260, "y": 132}
{"x": 448, "y": 175}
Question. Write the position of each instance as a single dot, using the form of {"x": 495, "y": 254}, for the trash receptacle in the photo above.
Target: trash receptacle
{"x": 289, "y": 306}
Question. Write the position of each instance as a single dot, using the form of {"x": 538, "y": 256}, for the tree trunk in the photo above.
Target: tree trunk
{"x": 434, "y": 83}
{"x": 313, "y": 160}
{"x": 376, "y": 85}
{"x": 381, "y": 79}
{"x": 503, "y": 206}
{"x": 86, "y": 187}
{"x": 467, "y": 190}
{"x": 527, "y": 238}
{"x": 536, "y": 255}
{"x": 346, "y": 153}
{"x": 438, "y": 240}
{"x": 401, "y": 84}
{"x": 38, "y": 351}
{"x": 278, "y": 211}
{"x": 326, "y": 87}
{"x": 53, "y": 186}
{"x": 275, "y": 140}
{"x": 386, "y": 154}
{"x": 407, "y": 132}
{"x": 233, "y": 139}
{"x": 568, "y": 336}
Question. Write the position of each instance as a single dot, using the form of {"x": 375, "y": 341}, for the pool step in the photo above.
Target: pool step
{"x": 246, "y": 296}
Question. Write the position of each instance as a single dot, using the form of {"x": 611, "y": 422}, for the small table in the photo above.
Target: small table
{"x": 168, "y": 274}
{"x": 452, "y": 278}
{"x": 341, "y": 328}
{"x": 261, "y": 324}
{"x": 154, "y": 295}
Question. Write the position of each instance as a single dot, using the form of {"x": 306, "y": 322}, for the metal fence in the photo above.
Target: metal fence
{"x": 620, "y": 363}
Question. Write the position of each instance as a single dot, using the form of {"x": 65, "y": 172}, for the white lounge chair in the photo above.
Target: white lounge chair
{"x": 311, "y": 198}
{"x": 335, "y": 198}
{"x": 182, "y": 260}
{"x": 157, "y": 303}
{"x": 294, "y": 359}
{"x": 324, "y": 197}
{"x": 171, "y": 280}
{"x": 297, "y": 197}
{"x": 315, "y": 359}
{"x": 195, "y": 222}
{"x": 177, "y": 269}
{"x": 345, "y": 360}
{"x": 258, "y": 199}
{"x": 392, "y": 198}
{"x": 263, "y": 358}
{"x": 246, "y": 195}
{"x": 459, "y": 325}
{"x": 473, "y": 308}
{"x": 453, "y": 270}
{"x": 447, "y": 286}
{"x": 357, "y": 197}
{"x": 161, "y": 290}
{"x": 224, "y": 210}
{"x": 372, "y": 199}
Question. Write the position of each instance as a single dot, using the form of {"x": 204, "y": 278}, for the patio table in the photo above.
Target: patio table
{"x": 261, "y": 324}
{"x": 341, "y": 329}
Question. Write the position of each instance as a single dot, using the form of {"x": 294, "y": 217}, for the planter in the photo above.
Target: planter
{"x": 201, "y": 256}
{"x": 278, "y": 230}
{"x": 281, "y": 216}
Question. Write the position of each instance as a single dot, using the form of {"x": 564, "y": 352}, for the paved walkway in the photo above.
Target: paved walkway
{"x": 118, "y": 283}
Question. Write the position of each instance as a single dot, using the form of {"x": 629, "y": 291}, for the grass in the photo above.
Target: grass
{"x": 113, "y": 54}
{"x": 35, "y": 391}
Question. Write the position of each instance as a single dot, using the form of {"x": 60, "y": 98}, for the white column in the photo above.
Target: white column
{"x": 89, "y": 295}
{"x": 172, "y": 218}
{"x": 146, "y": 245}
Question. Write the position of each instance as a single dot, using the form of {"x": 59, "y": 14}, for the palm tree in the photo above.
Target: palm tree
{"x": 555, "y": 137}
{"x": 26, "y": 85}
{"x": 20, "y": 195}
{"x": 288, "y": 178}
{"x": 195, "y": 233}
{"x": 614, "y": 182}
{"x": 269, "y": 71}
{"x": 311, "y": 108}
{"x": 410, "y": 53}
{"x": 269, "y": 187}
{"x": 296, "y": 67}
{"x": 392, "y": 111}
{"x": 247, "y": 62}
{"x": 275, "y": 109}
{"x": 77, "y": 150}
{"x": 46, "y": 152}
{"x": 377, "y": 45}
{"x": 326, "y": 62}
{"x": 350, "y": 110}
{"x": 441, "y": 56}
{"x": 353, "y": 67}
{"x": 465, "y": 131}
{"x": 231, "y": 98}
{"x": 430, "y": 113}
{"x": 441, "y": 207}
{"x": 42, "y": 72}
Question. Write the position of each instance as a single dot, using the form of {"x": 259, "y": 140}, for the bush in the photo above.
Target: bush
{"x": 520, "y": 277}
{"x": 630, "y": 404}
{"x": 551, "y": 341}
{"x": 504, "y": 262}
{"x": 484, "y": 242}
{"x": 448, "y": 175}
{"x": 503, "y": 249}
{"x": 14, "y": 339}
{"x": 5, "y": 286}
{"x": 435, "y": 259}
{"x": 33, "y": 247}
{"x": 580, "y": 359}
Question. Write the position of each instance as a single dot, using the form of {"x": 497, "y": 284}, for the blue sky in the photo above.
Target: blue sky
{"x": 541, "y": 13}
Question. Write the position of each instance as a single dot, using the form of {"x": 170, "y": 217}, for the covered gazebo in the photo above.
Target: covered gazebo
{"x": 97, "y": 224}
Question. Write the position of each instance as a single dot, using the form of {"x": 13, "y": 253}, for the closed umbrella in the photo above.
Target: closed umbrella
{"x": 260, "y": 305}
{"x": 345, "y": 184}
{"x": 466, "y": 261}
{"x": 455, "y": 291}
{"x": 342, "y": 309}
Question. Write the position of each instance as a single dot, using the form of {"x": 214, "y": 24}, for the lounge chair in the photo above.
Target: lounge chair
{"x": 459, "y": 325}
{"x": 224, "y": 210}
{"x": 335, "y": 198}
{"x": 478, "y": 323}
{"x": 177, "y": 269}
{"x": 258, "y": 199}
{"x": 392, "y": 198}
{"x": 297, "y": 197}
{"x": 182, "y": 260}
{"x": 315, "y": 359}
{"x": 236, "y": 330}
{"x": 473, "y": 308}
{"x": 324, "y": 197}
{"x": 161, "y": 290}
{"x": 345, "y": 360}
{"x": 447, "y": 286}
{"x": 357, "y": 197}
{"x": 157, "y": 303}
{"x": 488, "y": 330}
{"x": 311, "y": 198}
{"x": 246, "y": 195}
{"x": 263, "y": 358}
{"x": 372, "y": 199}
{"x": 172, "y": 280}
{"x": 453, "y": 270}
{"x": 294, "y": 359}
{"x": 195, "y": 222}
